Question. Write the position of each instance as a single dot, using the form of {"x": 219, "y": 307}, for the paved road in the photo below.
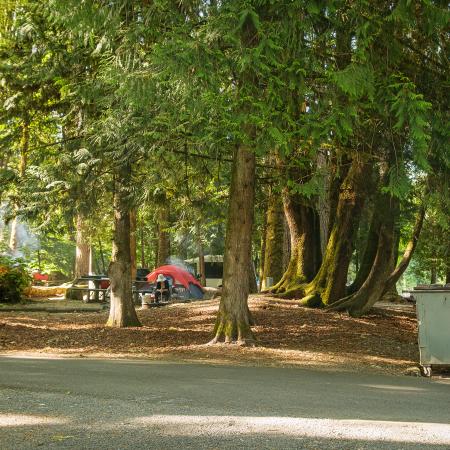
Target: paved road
{"x": 116, "y": 404}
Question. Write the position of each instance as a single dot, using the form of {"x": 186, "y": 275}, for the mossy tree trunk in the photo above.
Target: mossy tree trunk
{"x": 122, "y": 312}
{"x": 373, "y": 286}
{"x": 274, "y": 240}
{"x": 233, "y": 322}
{"x": 380, "y": 280}
{"x": 328, "y": 285}
{"x": 304, "y": 230}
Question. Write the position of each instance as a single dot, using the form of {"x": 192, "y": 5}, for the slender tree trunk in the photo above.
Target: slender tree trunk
{"x": 23, "y": 162}
{"x": 201, "y": 255}
{"x": 13, "y": 240}
{"x": 122, "y": 312}
{"x": 234, "y": 319}
{"x": 371, "y": 246}
{"x": 163, "y": 235}
{"x": 328, "y": 286}
{"x": 82, "y": 248}
{"x": 91, "y": 260}
{"x": 273, "y": 255}
{"x": 143, "y": 264}
{"x": 102, "y": 256}
{"x": 39, "y": 259}
{"x": 252, "y": 285}
{"x": 433, "y": 276}
{"x": 262, "y": 251}
{"x": 409, "y": 250}
{"x": 133, "y": 246}
{"x": 155, "y": 240}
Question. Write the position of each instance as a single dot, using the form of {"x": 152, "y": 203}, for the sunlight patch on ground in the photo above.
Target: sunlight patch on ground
{"x": 367, "y": 430}
{"x": 393, "y": 388}
{"x": 15, "y": 420}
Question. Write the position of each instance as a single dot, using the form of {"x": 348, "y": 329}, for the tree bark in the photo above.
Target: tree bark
{"x": 82, "y": 249}
{"x": 252, "y": 285}
{"x": 328, "y": 286}
{"x": 122, "y": 312}
{"x": 233, "y": 322}
{"x": 286, "y": 244}
{"x": 391, "y": 294}
{"x": 274, "y": 241}
{"x": 324, "y": 203}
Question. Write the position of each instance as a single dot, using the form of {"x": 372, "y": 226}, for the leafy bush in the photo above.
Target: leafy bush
{"x": 13, "y": 280}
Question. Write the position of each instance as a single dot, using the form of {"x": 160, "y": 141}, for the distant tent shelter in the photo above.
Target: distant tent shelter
{"x": 213, "y": 269}
{"x": 178, "y": 277}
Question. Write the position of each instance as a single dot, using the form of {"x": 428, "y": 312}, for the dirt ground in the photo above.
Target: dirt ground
{"x": 384, "y": 341}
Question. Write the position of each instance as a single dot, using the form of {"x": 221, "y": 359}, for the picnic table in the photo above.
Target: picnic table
{"x": 100, "y": 292}
{"x": 92, "y": 293}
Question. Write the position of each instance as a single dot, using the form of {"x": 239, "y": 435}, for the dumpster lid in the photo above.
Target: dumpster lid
{"x": 432, "y": 288}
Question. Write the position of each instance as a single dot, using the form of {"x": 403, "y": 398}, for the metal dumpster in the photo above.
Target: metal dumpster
{"x": 433, "y": 314}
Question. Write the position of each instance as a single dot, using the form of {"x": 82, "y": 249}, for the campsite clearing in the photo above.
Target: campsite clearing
{"x": 385, "y": 341}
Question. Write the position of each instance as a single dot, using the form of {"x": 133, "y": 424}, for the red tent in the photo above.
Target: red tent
{"x": 178, "y": 275}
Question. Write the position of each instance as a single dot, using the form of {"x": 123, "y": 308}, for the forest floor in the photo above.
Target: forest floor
{"x": 385, "y": 341}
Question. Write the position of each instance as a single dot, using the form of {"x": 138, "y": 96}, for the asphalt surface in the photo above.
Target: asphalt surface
{"x": 117, "y": 404}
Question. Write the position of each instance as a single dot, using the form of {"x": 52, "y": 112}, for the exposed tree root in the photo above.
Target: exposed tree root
{"x": 233, "y": 331}
{"x": 341, "y": 305}
{"x": 312, "y": 300}
{"x": 292, "y": 293}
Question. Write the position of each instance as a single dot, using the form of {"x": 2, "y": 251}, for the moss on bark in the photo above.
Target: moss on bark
{"x": 329, "y": 283}
{"x": 274, "y": 241}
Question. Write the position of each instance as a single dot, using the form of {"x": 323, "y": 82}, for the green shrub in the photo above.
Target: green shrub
{"x": 13, "y": 280}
